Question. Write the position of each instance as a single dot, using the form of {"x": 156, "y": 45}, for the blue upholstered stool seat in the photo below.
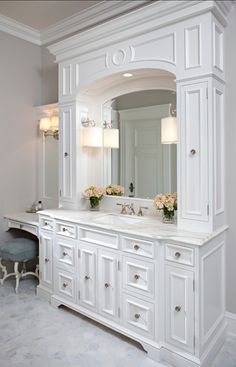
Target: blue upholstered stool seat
{"x": 19, "y": 249}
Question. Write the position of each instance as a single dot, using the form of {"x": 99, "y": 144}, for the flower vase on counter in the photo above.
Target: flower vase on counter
{"x": 168, "y": 204}
{"x": 95, "y": 195}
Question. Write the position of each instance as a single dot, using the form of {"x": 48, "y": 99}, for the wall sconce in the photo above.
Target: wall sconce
{"x": 110, "y": 136}
{"x": 169, "y": 128}
{"x": 92, "y": 134}
{"x": 50, "y": 126}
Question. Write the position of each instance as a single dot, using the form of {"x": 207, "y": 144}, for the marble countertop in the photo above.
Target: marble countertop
{"x": 149, "y": 227}
{"x": 29, "y": 218}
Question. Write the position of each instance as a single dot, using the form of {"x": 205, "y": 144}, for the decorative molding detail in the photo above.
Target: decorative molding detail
{"x": 17, "y": 29}
{"x": 231, "y": 320}
{"x": 153, "y": 16}
{"x": 192, "y": 39}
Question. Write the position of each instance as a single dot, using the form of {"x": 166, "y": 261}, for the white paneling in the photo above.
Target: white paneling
{"x": 218, "y": 123}
{"x": 193, "y": 47}
{"x": 218, "y": 47}
{"x": 162, "y": 48}
{"x": 66, "y": 73}
{"x": 213, "y": 291}
{"x": 194, "y": 151}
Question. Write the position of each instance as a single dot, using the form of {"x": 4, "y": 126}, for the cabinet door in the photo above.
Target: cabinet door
{"x": 87, "y": 275}
{"x": 108, "y": 277}
{"x": 193, "y": 118}
{"x": 45, "y": 260}
{"x": 179, "y": 308}
{"x": 67, "y": 117}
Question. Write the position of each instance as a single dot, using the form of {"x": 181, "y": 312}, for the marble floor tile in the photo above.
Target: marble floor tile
{"x": 32, "y": 333}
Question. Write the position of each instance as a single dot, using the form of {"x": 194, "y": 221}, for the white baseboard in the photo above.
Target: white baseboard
{"x": 231, "y": 320}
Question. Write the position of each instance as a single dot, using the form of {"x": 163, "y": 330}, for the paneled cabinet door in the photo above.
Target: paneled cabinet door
{"x": 193, "y": 117}
{"x": 66, "y": 151}
{"x": 87, "y": 275}
{"x": 179, "y": 308}
{"x": 108, "y": 278}
{"x": 45, "y": 260}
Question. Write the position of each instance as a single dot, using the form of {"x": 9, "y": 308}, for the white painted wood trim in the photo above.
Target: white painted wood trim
{"x": 17, "y": 29}
{"x": 231, "y": 320}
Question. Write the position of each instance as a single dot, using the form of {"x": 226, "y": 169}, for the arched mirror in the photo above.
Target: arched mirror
{"x": 141, "y": 163}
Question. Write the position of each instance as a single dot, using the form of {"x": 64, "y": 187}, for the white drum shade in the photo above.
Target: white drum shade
{"x": 111, "y": 138}
{"x": 92, "y": 137}
{"x": 169, "y": 130}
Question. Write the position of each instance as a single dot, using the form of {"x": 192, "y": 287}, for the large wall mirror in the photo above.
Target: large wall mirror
{"x": 142, "y": 164}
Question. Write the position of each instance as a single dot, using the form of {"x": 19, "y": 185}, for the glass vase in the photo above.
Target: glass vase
{"x": 168, "y": 216}
{"x": 94, "y": 203}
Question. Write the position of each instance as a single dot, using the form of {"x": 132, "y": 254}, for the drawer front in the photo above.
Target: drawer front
{"x": 65, "y": 254}
{"x": 138, "y": 316}
{"x": 23, "y": 226}
{"x": 46, "y": 223}
{"x": 179, "y": 254}
{"x": 138, "y": 247}
{"x": 66, "y": 230}
{"x": 65, "y": 285}
{"x": 138, "y": 276}
{"x": 98, "y": 237}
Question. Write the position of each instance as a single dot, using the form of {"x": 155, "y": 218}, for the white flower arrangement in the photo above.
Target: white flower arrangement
{"x": 115, "y": 190}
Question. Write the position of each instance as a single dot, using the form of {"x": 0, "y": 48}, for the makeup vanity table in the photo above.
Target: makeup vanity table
{"x": 28, "y": 222}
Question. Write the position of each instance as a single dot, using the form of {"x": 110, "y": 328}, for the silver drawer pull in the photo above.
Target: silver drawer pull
{"x": 63, "y": 229}
{"x": 177, "y": 255}
{"x": 46, "y": 259}
{"x": 177, "y": 308}
{"x": 136, "y": 276}
{"x": 137, "y": 316}
{"x": 106, "y": 285}
{"x": 46, "y": 224}
{"x": 136, "y": 247}
{"x": 64, "y": 253}
{"x": 64, "y": 285}
{"x": 193, "y": 151}
{"x": 87, "y": 277}
{"x": 21, "y": 226}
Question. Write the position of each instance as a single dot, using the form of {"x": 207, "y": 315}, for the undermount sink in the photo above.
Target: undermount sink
{"x": 117, "y": 220}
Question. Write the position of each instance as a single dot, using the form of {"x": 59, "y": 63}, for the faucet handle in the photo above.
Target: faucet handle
{"x": 140, "y": 211}
{"x": 124, "y": 208}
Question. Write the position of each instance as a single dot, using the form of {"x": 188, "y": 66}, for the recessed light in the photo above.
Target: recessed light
{"x": 127, "y": 75}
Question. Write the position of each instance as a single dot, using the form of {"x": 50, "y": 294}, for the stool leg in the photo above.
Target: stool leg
{"x": 18, "y": 275}
{"x": 4, "y": 270}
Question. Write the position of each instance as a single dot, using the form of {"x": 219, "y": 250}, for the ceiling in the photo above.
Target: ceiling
{"x": 42, "y": 14}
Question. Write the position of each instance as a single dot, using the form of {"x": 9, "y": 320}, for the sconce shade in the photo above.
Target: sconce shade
{"x": 111, "y": 138}
{"x": 169, "y": 130}
{"x": 92, "y": 137}
{"x": 45, "y": 124}
{"x": 54, "y": 123}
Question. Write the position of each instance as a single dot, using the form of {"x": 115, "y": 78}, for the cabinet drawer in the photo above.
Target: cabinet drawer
{"x": 46, "y": 223}
{"x": 65, "y": 284}
{"x": 66, "y": 229}
{"x": 138, "y": 247}
{"x": 23, "y": 226}
{"x": 138, "y": 316}
{"x": 65, "y": 254}
{"x": 98, "y": 237}
{"x": 179, "y": 254}
{"x": 138, "y": 276}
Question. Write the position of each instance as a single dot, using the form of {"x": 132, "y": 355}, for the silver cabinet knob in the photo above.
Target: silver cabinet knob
{"x": 136, "y": 276}
{"x": 64, "y": 285}
{"x": 136, "y": 247}
{"x": 137, "y": 316}
{"x": 63, "y": 229}
{"x": 64, "y": 253}
{"x": 21, "y": 226}
{"x": 193, "y": 151}
{"x": 87, "y": 277}
{"x": 46, "y": 259}
{"x": 106, "y": 285}
{"x": 177, "y": 308}
{"x": 66, "y": 154}
{"x": 177, "y": 255}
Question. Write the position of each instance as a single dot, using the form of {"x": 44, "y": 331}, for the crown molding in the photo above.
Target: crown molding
{"x": 89, "y": 18}
{"x": 17, "y": 29}
{"x": 154, "y": 15}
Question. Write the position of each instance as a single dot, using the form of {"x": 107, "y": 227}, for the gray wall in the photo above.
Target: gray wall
{"x": 230, "y": 159}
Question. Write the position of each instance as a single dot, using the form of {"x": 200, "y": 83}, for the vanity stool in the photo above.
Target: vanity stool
{"x": 18, "y": 250}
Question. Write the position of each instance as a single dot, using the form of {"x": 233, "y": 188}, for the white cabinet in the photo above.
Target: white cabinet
{"x": 179, "y": 306}
{"x": 109, "y": 283}
{"x": 87, "y": 275}
{"x": 67, "y": 154}
{"x": 46, "y": 260}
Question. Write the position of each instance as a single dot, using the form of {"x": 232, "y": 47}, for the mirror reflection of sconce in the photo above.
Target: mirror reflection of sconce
{"x": 50, "y": 126}
{"x": 110, "y": 136}
{"x": 169, "y": 128}
{"x": 92, "y": 134}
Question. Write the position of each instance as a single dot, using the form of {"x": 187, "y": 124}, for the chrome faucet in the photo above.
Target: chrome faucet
{"x": 131, "y": 209}
{"x": 124, "y": 208}
{"x": 140, "y": 211}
